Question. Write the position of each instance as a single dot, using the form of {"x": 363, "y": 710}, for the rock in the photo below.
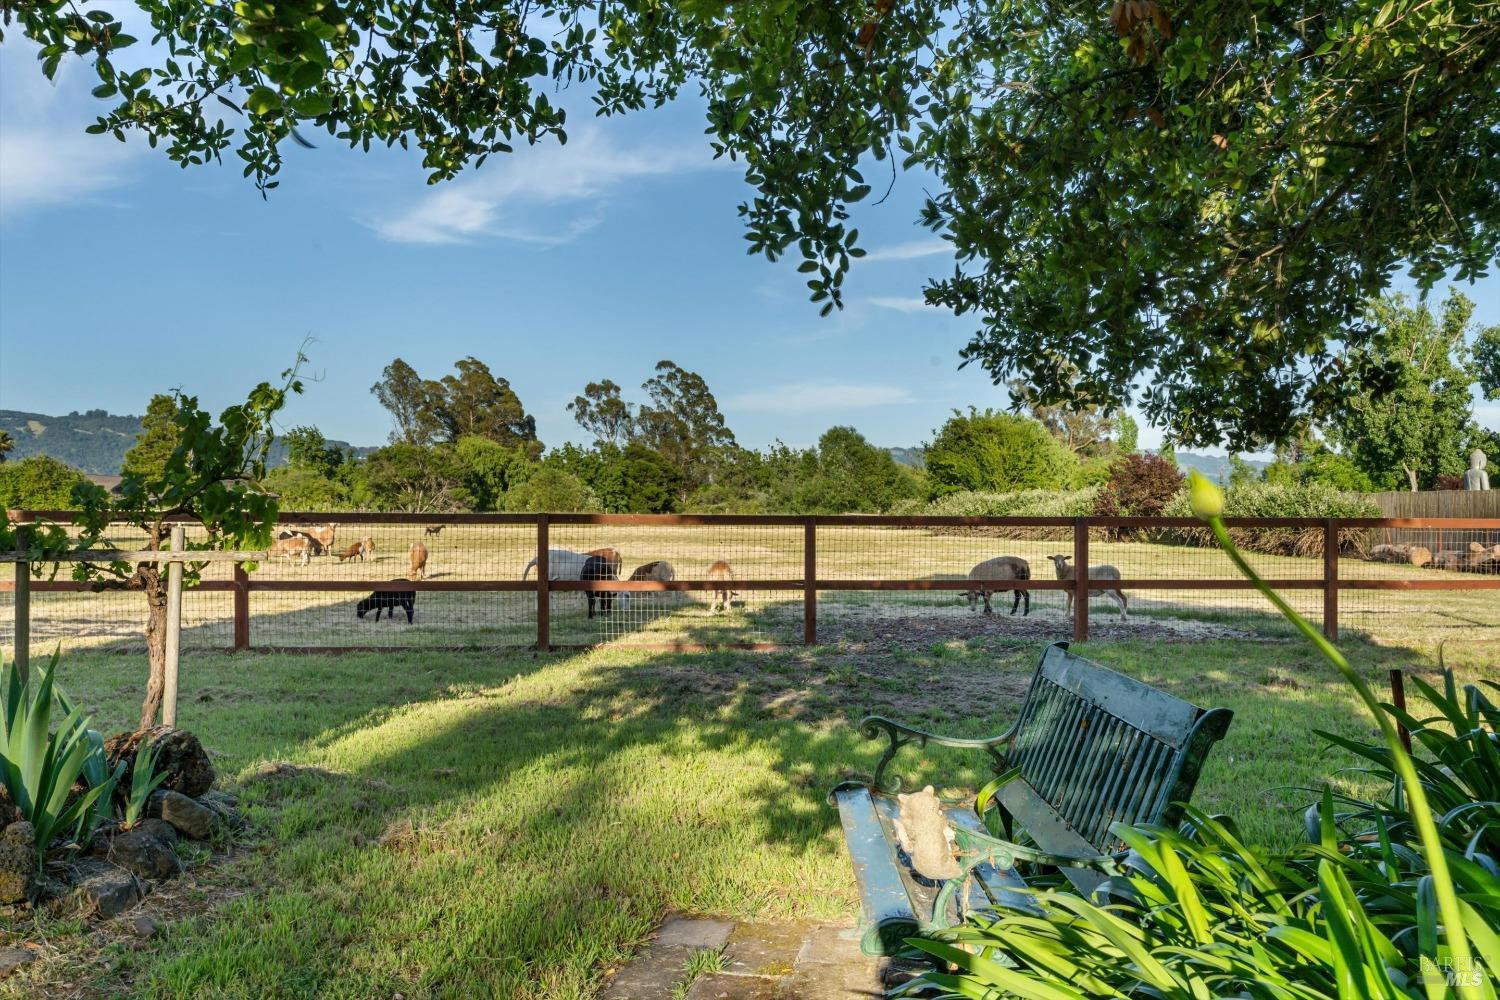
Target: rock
{"x": 18, "y": 865}
{"x": 178, "y": 754}
{"x": 227, "y": 813}
{"x": 160, "y": 829}
{"x": 192, "y": 818}
{"x": 103, "y": 890}
{"x": 9, "y": 811}
{"x": 12, "y": 959}
{"x": 143, "y": 926}
{"x": 139, "y": 852}
{"x": 224, "y": 798}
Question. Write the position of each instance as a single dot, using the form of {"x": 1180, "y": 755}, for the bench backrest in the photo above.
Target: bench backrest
{"x": 1098, "y": 747}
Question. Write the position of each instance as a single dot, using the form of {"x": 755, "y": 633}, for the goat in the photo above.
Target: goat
{"x": 721, "y": 573}
{"x": 998, "y": 569}
{"x": 355, "y": 551}
{"x": 609, "y": 554}
{"x": 387, "y": 601}
{"x": 434, "y": 529}
{"x": 295, "y": 546}
{"x": 599, "y": 568}
{"x": 418, "y": 556}
{"x": 367, "y": 548}
{"x": 1100, "y": 572}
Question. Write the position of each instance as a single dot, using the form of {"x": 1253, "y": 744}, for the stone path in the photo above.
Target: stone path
{"x": 805, "y": 961}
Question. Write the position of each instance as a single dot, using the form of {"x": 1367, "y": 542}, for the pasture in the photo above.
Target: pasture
{"x": 513, "y": 824}
{"x": 489, "y": 619}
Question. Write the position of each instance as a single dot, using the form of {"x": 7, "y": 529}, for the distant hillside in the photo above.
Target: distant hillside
{"x": 1215, "y": 467}
{"x": 93, "y": 442}
{"x": 914, "y": 457}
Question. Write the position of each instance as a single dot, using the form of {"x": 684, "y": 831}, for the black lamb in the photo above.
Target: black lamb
{"x": 388, "y": 601}
{"x": 599, "y": 568}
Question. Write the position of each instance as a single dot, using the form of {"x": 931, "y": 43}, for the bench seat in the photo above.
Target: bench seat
{"x": 1090, "y": 749}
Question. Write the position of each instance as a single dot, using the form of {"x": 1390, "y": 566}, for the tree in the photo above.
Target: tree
{"x": 299, "y": 488}
{"x": 1082, "y": 428}
{"x": 158, "y": 439}
{"x": 1409, "y": 400}
{"x": 475, "y": 402}
{"x": 487, "y": 469}
{"x": 39, "y": 482}
{"x": 7, "y": 444}
{"x": 1487, "y": 361}
{"x": 1129, "y": 189}
{"x": 411, "y": 477}
{"x": 1127, "y": 433}
{"x": 638, "y": 480}
{"x": 996, "y": 452}
{"x": 550, "y": 489}
{"x": 845, "y": 473}
{"x": 683, "y": 424}
{"x": 307, "y": 449}
{"x": 602, "y": 413}
{"x": 411, "y": 403}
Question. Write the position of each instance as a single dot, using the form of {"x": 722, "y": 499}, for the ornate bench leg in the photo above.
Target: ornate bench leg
{"x": 899, "y": 736}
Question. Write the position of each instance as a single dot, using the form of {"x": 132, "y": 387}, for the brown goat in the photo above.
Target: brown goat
{"x": 367, "y": 547}
{"x": 355, "y": 551}
{"x": 418, "y": 555}
{"x": 297, "y": 546}
{"x": 721, "y": 572}
{"x": 434, "y": 529}
{"x": 660, "y": 570}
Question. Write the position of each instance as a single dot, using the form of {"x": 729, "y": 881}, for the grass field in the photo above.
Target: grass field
{"x": 513, "y": 825}
{"x": 484, "y": 620}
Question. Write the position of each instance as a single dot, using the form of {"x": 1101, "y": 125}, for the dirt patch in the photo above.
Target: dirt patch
{"x": 919, "y": 627}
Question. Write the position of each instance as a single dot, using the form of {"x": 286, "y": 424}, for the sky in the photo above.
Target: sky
{"x": 122, "y": 275}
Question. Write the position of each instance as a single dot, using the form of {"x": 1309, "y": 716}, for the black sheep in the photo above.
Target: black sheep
{"x": 388, "y": 601}
{"x": 599, "y": 568}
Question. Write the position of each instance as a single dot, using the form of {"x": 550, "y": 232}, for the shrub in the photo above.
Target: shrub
{"x": 1139, "y": 486}
{"x": 1020, "y": 503}
{"x": 548, "y": 490}
{"x": 306, "y": 489}
{"x": 638, "y": 480}
{"x": 40, "y": 482}
{"x": 996, "y": 451}
{"x": 1278, "y": 500}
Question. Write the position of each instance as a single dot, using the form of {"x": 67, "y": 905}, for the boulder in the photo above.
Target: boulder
{"x": 139, "y": 852}
{"x": 192, "y": 818}
{"x": 160, "y": 829}
{"x": 9, "y": 811}
{"x": 227, "y": 812}
{"x": 101, "y": 890}
{"x": 18, "y": 866}
{"x": 178, "y": 754}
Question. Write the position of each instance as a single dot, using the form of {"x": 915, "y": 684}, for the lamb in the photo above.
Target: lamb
{"x": 388, "y": 601}
{"x": 433, "y": 530}
{"x": 598, "y": 568}
{"x": 1001, "y": 568}
{"x": 367, "y": 548}
{"x": 296, "y": 546}
{"x": 721, "y": 573}
{"x": 659, "y": 570}
{"x": 1101, "y": 572}
{"x": 418, "y": 557}
{"x": 355, "y": 551}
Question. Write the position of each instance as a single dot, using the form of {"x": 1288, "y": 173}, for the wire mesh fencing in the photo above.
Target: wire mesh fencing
{"x": 406, "y": 581}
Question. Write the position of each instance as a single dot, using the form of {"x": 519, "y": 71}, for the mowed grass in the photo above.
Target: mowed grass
{"x": 515, "y": 825}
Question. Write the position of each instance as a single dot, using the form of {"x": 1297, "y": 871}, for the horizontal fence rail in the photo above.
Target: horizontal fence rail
{"x": 812, "y": 556}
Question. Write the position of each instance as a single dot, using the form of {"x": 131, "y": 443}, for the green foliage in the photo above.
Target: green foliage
{"x": 682, "y": 423}
{"x": 1127, "y": 433}
{"x": 1267, "y": 499}
{"x": 486, "y": 469}
{"x": 843, "y": 474}
{"x": 472, "y": 402}
{"x": 410, "y": 477}
{"x": 7, "y": 445}
{"x": 306, "y": 489}
{"x": 143, "y": 781}
{"x": 1487, "y": 361}
{"x": 551, "y": 489}
{"x": 637, "y": 479}
{"x": 307, "y": 450}
{"x": 990, "y": 451}
{"x": 602, "y": 413}
{"x": 147, "y": 459}
{"x": 40, "y": 765}
{"x": 1081, "y": 428}
{"x": 1139, "y": 486}
{"x": 1407, "y": 399}
{"x": 1021, "y": 503}
{"x": 38, "y": 483}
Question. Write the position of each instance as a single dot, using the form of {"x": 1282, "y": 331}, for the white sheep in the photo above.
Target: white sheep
{"x": 998, "y": 569}
{"x": 1101, "y": 572}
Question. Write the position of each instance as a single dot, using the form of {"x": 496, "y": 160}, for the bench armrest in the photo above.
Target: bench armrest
{"x": 872, "y": 727}
{"x": 976, "y": 848}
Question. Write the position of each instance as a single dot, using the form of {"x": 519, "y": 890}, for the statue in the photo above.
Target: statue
{"x": 1476, "y": 478}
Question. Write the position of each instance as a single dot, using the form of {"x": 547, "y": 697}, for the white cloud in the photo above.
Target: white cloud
{"x": 487, "y": 203}
{"x": 906, "y": 305}
{"x": 50, "y": 166}
{"x": 911, "y": 251}
{"x": 808, "y": 397}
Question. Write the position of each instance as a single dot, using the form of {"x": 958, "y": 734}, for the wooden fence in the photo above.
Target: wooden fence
{"x": 1468, "y": 504}
{"x": 810, "y": 583}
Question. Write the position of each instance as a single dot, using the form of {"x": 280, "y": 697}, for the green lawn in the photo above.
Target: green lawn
{"x": 513, "y": 825}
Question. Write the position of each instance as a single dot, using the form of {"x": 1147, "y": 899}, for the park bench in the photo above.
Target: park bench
{"x": 1091, "y": 748}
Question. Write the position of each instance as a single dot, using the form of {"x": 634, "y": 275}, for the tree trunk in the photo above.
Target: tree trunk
{"x": 1411, "y": 476}
{"x": 155, "y": 584}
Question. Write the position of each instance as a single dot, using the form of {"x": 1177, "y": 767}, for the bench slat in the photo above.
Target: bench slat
{"x": 1050, "y": 831}
{"x": 1165, "y": 717}
{"x": 889, "y": 917}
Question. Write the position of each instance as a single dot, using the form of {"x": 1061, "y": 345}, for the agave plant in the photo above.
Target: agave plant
{"x": 96, "y": 774}
{"x": 1407, "y": 906}
{"x": 143, "y": 781}
{"x": 39, "y": 765}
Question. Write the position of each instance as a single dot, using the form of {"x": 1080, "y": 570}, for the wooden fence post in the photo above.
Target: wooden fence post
{"x": 810, "y": 582}
{"x": 1081, "y": 580}
{"x": 174, "y": 628}
{"x": 1331, "y": 579}
{"x": 23, "y": 610}
{"x": 543, "y": 587}
{"x": 241, "y": 609}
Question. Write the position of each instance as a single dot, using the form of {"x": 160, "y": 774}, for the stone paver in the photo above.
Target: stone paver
{"x": 765, "y": 949}
{"x": 652, "y": 975}
{"x": 730, "y": 986}
{"x": 694, "y": 932}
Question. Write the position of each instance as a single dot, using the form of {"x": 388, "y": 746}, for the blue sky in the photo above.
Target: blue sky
{"x": 122, "y": 274}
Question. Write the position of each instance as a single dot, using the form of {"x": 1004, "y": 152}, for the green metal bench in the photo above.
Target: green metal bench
{"x": 1091, "y": 748}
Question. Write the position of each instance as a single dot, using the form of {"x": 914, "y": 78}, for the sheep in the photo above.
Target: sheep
{"x": 297, "y": 546}
{"x": 1100, "y": 572}
{"x": 321, "y": 537}
{"x": 609, "y": 554}
{"x": 418, "y": 556}
{"x": 367, "y": 548}
{"x": 355, "y": 551}
{"x": 598, "y": 568}
{"x": 721, "y": 572}
{"x": 434, "y": 529}
{"x": 388, "y": 601}
{"x": 1001, "y": 568}
{"x": 562, "y": 564}
{"x": 660, "y": 570}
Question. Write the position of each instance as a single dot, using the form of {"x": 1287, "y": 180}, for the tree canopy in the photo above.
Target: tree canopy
{"x": 1186, "y": 204}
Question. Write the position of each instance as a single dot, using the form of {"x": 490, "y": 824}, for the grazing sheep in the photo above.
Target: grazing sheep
{"x": 418, "y": 556}
{"x": 355, "y": 551}
{"x": 321, "y": 537}
{"x": 721, "y": 573}
{"x": 367, "y": 548}
{"x": 609, "y": 554}
{"x": 1101, "y": 572}
{"x": 434, "y": 529}
{"x": 562, "y": 564}
{"x": 660, "y": 570}
{"x": 598, "y": 568}
{"x": 996, "y": 569}
{"x": 388, "y": 601}
{"x": 298, "y": 547}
